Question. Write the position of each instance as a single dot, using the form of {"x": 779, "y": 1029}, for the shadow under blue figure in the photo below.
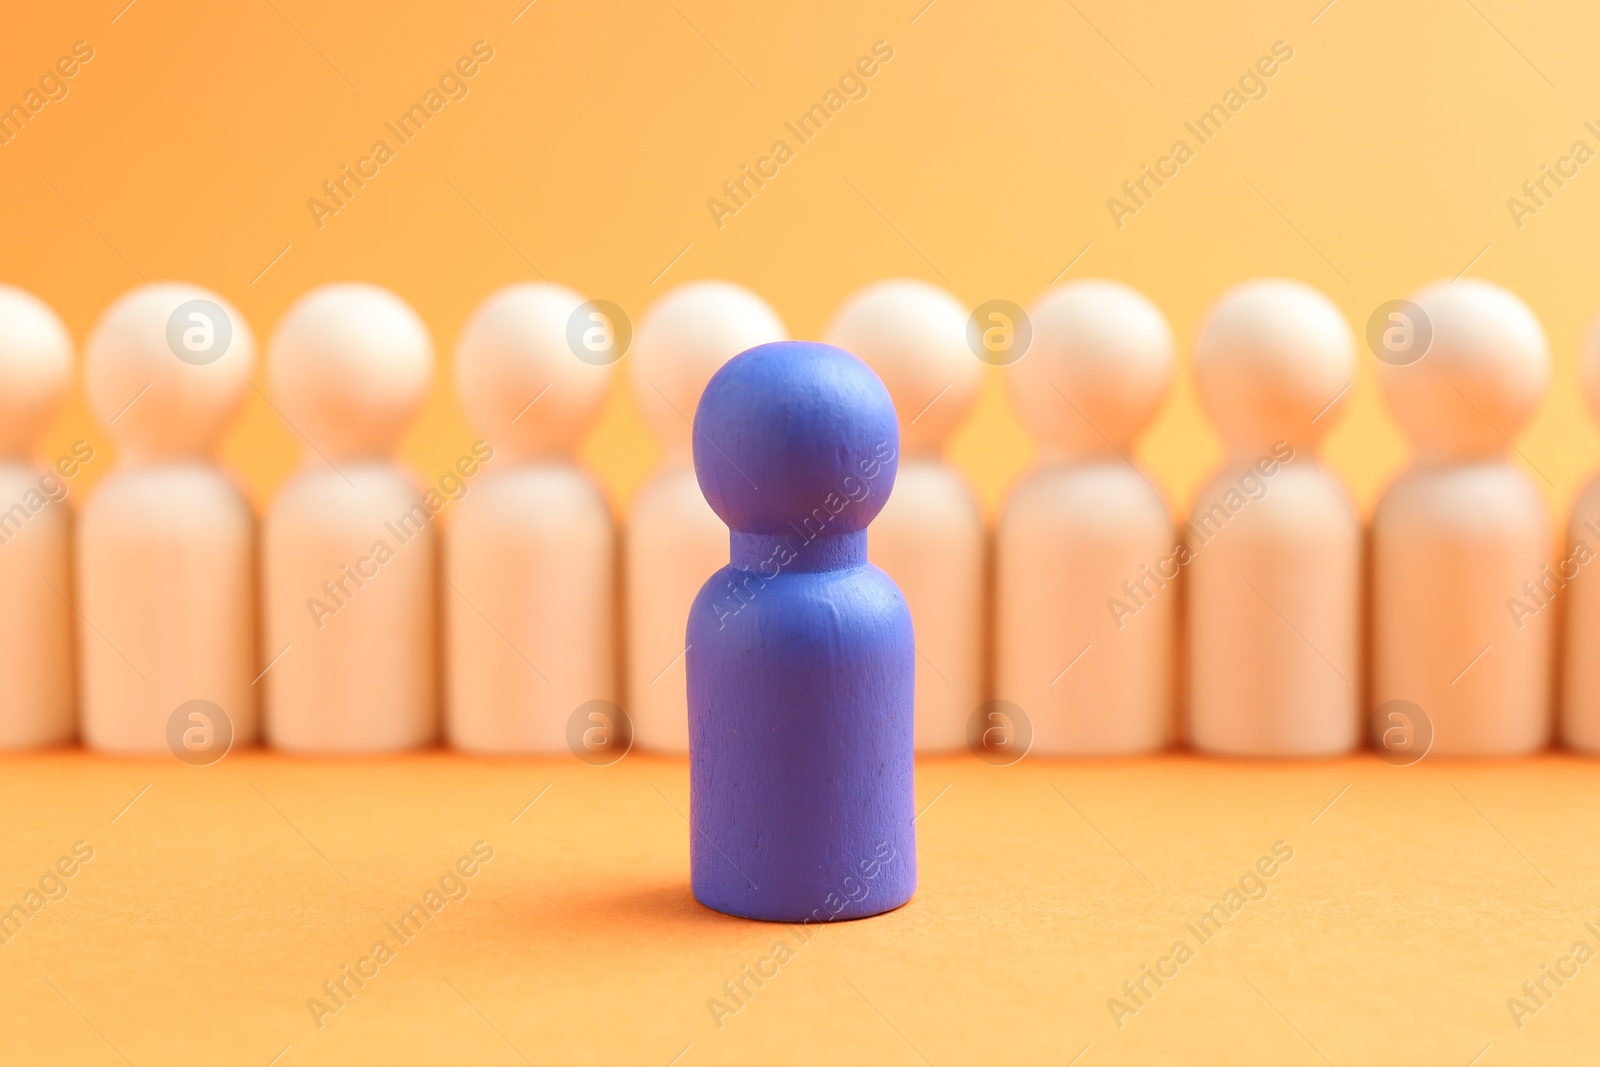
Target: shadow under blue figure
{"x": 801, "y": 656}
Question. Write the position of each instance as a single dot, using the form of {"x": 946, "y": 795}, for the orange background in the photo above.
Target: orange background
{"x": 221, "y": 898}
{"x": 1381, "y": 159}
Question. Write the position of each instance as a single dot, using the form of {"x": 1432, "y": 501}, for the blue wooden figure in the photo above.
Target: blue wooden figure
{"x": 800, "y": 652}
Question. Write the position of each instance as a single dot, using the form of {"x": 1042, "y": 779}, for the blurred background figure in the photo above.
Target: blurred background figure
{"x": 35, "y": 528}
{"x": 1088, "y": 528}
{"x": 1463, "y": 528}
{"x": 530, "y": 556}
{"x": 1274, "y": 595}
{"x": 166, "y": 543}
{"x": 674, "y": 541}
{"x": 929, "y": 536}
{"x": 348, "y": 570}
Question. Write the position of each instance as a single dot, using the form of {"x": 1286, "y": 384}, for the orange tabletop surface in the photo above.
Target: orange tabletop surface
{"x": 1403, "y": 910}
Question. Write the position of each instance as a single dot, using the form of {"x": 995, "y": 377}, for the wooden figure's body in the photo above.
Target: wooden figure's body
{"x": 348, "y": 546}
{"x": 1096, "y": 680}
{"x": 35, "y": 528}
{"x": 166, "y": 543}
{"x": 1450, "y": 543}
{"x": 530, "y": 608}
{"x": 36, "y": 628}
{"x": 1085, "y": 529}
{"x": 1274, "y": 619}
{"x": 530, "y": 556}
{"x": 1460, "y": 532}
{"x": 929, "y": 536}
{"x": 1274, "y": 605}
{"x": 673, "y": 540}
{"x": 801, "y": 658}
{"x": 166, "y": 573}
{"x": 348, "y": 569}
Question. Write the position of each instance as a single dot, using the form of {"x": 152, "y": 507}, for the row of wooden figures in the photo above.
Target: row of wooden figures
{"x": 326, "y": 637}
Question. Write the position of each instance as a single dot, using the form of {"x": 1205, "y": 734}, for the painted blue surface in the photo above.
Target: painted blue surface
{"x": 801, "y": 657}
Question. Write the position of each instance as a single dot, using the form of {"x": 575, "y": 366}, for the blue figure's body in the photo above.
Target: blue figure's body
{"x": 801, "y": 656}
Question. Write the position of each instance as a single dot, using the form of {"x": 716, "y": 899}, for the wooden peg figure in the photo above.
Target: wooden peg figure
{"x": 529, "y": 560}
{"x": 673, "y": 540}
{"x": 1274, "y": 604}
{"x": 35, "y": 528}
{"x": 929, "y": 536}
{"x": 801, "y": 655}
{"x": 1084, "y": 634}
{"x": 348, "y": 546}
{"x": 166, "y": 542}
{"x": 1462, "y": 529}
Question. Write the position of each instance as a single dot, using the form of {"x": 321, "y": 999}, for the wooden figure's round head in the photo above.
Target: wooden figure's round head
{"x": 680, "y": 343}
{"x": 35, "y": 367}
{"x": 349, "y": 366}
{"x": 1274, "y": 360}
{"x": 1480, "y": 378}
{"x": 914, "y": 335}
{"x": 796, "y": 435}
{"x": 166, "y": 368}
{"x": 522, "y": 384}
{"x": 1098, "y": 368}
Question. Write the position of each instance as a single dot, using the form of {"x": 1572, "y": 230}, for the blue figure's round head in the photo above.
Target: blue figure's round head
{"x": 792, "y": 427}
